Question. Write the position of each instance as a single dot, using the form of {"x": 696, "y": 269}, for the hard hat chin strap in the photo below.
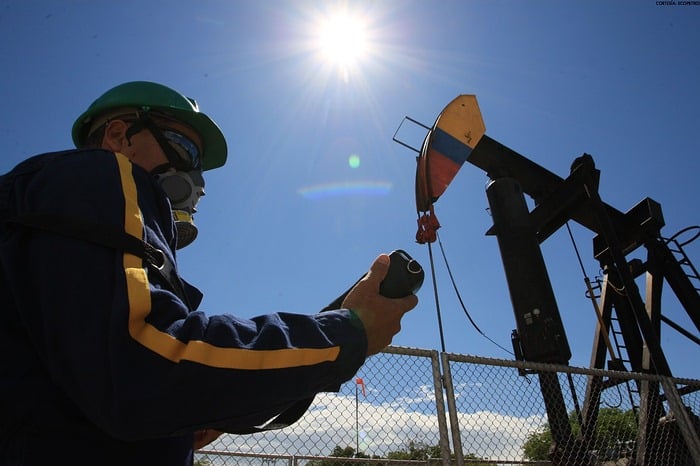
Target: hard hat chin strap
{"x": 145, "y": 122}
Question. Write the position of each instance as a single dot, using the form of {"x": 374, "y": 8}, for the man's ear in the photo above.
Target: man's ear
{"x": 115, "y": 136}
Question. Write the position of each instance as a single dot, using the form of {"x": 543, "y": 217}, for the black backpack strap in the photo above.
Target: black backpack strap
{"x": 108, "y": 236}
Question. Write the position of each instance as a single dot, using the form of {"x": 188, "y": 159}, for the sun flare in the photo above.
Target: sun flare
{"x": 343, "y": 40}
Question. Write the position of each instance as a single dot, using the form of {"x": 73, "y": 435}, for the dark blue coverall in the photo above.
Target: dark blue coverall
{"x": 101, "y": 363}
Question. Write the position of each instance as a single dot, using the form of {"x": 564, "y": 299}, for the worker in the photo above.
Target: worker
{"x": 104, "y": 357}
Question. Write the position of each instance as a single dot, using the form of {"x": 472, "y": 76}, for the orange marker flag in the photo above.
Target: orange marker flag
{"x": 361, "y": 383}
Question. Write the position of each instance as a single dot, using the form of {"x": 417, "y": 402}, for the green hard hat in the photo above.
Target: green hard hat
{"x": 152, "y": 96}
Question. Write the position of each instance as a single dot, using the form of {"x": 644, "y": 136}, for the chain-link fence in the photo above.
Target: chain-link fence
{"x": 510, "y": 410}
{"x": 432, "y": 408}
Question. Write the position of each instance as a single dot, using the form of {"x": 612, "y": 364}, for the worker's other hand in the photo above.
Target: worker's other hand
{"x": 380, "y": 316}
{"x": 204, "y": 437}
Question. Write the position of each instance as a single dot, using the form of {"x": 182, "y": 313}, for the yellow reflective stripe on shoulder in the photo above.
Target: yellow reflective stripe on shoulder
{"x": 171, "y": 348}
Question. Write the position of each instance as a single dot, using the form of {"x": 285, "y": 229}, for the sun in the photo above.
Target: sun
{"x": 342, "y": 40}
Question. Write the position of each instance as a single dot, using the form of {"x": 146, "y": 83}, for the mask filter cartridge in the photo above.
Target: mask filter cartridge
{"x": 184, "y": 190}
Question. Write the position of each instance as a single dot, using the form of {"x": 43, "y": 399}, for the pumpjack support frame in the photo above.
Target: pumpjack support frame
{"x": 557, "y": 201}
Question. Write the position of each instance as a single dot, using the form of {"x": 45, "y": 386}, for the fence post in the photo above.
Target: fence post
{"x": 452, "y": 409}
{"x": 440, "y": 406}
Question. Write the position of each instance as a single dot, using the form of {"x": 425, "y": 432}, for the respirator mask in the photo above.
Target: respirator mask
{"x": 184, "y": 190}
{"x": 181, "y": 178}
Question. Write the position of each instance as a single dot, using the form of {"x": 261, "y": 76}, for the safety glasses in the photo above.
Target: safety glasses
{"x": 186, "y": 150}
{"x": 181, "y": 151}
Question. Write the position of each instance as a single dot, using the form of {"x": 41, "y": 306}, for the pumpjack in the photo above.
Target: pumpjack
{"x": 628, "y": 325}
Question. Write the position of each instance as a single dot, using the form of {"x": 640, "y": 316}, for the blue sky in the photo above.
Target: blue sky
{"x": 291, "y": 221}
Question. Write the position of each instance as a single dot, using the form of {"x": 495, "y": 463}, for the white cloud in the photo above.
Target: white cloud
{"x": 332, "y": 422}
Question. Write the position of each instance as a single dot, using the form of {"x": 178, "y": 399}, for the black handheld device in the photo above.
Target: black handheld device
{"x": 404, "y": 277}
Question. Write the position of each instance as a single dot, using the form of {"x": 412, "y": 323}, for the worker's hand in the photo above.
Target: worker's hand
{"x": 380, "y": 316}
{"x": 204, "y": 437}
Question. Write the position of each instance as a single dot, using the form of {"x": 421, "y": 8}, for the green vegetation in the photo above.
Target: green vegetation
{"x": 614, "y": 428}
{"x": 411, "y": 451}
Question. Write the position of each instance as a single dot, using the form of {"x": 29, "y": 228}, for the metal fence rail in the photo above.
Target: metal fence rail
{"x": 489, "y": 414}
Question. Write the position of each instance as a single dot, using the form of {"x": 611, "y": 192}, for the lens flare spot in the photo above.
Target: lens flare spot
{"x": 354, "y": 161}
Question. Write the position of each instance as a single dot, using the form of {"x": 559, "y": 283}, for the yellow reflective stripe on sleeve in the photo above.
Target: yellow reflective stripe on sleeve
{"x": 171, "y": 348}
